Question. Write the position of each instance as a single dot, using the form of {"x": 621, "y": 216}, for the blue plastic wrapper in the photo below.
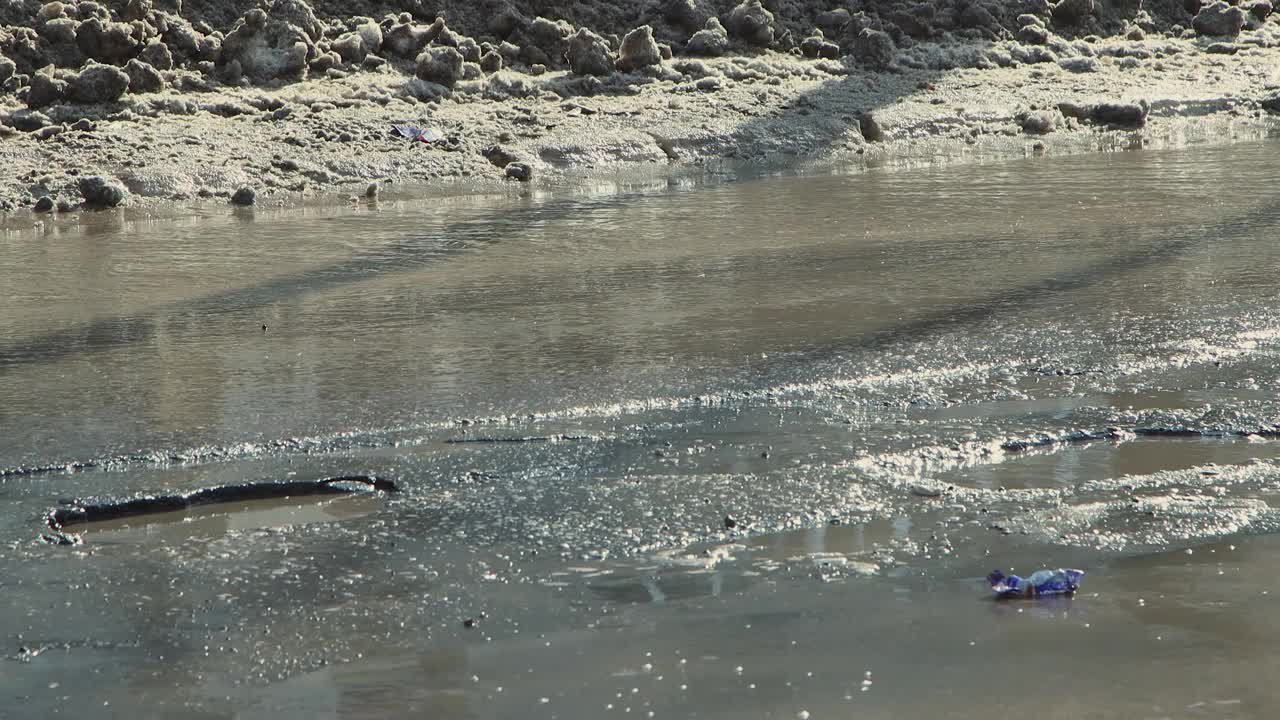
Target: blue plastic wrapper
{"x": 1041, "y": 582}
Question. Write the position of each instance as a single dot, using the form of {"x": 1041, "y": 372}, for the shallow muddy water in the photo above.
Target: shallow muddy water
{"x": 784, "y": 423}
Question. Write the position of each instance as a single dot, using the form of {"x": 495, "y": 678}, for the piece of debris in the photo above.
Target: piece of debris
{"x": 1041, "y": 582}
{"x": 431, "y": 136}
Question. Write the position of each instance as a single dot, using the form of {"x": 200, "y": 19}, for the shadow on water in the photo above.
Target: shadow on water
{"x": 1163, "y": 252}
{"x": 406, "y": 255}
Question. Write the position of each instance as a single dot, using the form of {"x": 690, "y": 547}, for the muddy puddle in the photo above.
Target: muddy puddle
{"x": 740, "y": 446}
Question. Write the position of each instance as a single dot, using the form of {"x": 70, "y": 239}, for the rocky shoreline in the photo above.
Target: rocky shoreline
{"x": 144, "y": 103}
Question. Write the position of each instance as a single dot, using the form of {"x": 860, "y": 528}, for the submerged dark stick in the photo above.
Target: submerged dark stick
{"x": 78, "y": 514}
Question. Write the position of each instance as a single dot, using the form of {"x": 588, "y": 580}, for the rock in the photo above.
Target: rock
{"x": 688, "y": 15}
{"x": 157, "y": 55}
{"x": 244, "y": 196}
{"x": 406, "y": 40}
{"x": 83, "y": 125}
{"x": 1218, "y": 19}
{"x": 66, "y": 206}
{"x": 296, "y": 13}
{"x": 1260, "y": 9}
{"x": 510, "y": 53}
{"x": 271, "y": 47}
{"x": 44, "y": 204}
{"x": 371, "y": 34}
{"x": 927, "y": 491}
{"x": 712, "y": 40}
{"x": 832, "y": 22}
{"x": 1036, "y": 122}
{"x": 545, "y": 41}
{"x": 1272, "y": 104}
{"x": 977, "y": 16}
{"x": 440, "y": 65}
{"x": 109, "y": 42}
{"x": 28, "y": 120}
{"x": 184, "y": 42}
{"x": 751, "y": 23}
{"x": 1033, "y": 34}
{"x": 350, "y": 47}
{"x": 916, "y": 22}
{"x": 1032, "y": 54}
{"x": 24, "y": 47}
{"x": 1072, "y": 12}
{"x": 708, "y": 84}
{"x": 356, "y": 46}
{"x": 665, "y": 51}
{"x": 371, "y": 191}
{"x": 499, "y": 155}
{"x": 45, "y": 90}
{"x": 1129, "y": 115}
{"x": 445, "y": 35}
{"x": 423, "y": 90}
{"x": 589, "y": 54}
{"x": 138, "y": 10}
{"x": 1081, "y": 64}
{"x": 60, "y": 33}
{"x": 873, "y": 48}
{"x": 638, "y": 50}
{"x": 470, "y": 50}
{"x": 1222, "y": 48}
{"x": 232, "y": 72}
{"x": 8, "y": 69}
{"x": 549, "y": 33}
{"x": 817, "y": 46}
{"x": 491, "y": 62}
{"x": 97, "y": 83}
{"x": 323, "y": 63}
{"x": 142, "y": 77}
{"x": 52, "y": 10}
{"x": 99, "y": 191}
{"x": 1073, "y": 110}
{"x": 870, "y": 128}
{"x": 519, "y": 171}
{"x": 45, "y": 133}
{"x": 504, "y": 23}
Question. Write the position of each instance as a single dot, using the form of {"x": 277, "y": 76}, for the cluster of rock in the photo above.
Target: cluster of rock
{"x": 84, "y": 51}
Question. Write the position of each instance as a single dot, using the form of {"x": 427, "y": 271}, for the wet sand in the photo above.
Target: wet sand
{"x": 1167, "y": 635}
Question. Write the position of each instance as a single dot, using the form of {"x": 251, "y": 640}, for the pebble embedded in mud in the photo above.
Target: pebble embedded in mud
{"x": 100, "y": 191}
{"x": 522, "y": 172}
{"x": 244, "y": 196}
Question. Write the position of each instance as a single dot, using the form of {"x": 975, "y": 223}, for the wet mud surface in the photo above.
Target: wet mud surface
{"x": 771, "y": 427}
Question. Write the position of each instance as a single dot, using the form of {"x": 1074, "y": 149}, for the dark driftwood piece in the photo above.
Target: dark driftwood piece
{"x": 77, "y": 514}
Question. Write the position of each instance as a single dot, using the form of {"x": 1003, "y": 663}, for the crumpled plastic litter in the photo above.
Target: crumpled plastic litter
{"x": 412, "y": 132}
